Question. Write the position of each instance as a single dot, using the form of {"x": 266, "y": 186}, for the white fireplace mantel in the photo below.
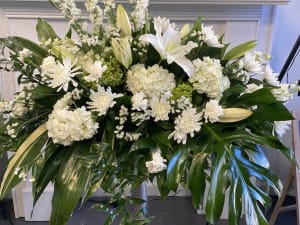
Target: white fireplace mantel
{"x": 241, "y": 20}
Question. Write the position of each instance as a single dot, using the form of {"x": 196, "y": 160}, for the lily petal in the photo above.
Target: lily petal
{"x": 155, "y": 42}
{"x": 185, "y": 64}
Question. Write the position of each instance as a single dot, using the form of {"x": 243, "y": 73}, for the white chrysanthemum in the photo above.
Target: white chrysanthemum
{"x": 283, "y": 93}
{"x": 157, "y": 163}
{"x": 102, "y": 100}
{"x": 270, "y": 76}
{"x": 280, "y": 127}
{"x": 186, "y": 123}
{"x": 95, "y": 71}
{"x": 208, "y": 78}
{"x": 152, "y": 81}
{"x": 252, "y": 88}
{"x": 161, "y": 108}
{"x": 66, "y": 126}
{"x": 207, "y": 35}
{"x": 251, "y": 64}
{"x": 139, "y": 101}
{"x": 58, "y": 75}
{"x": 212, "y": 111}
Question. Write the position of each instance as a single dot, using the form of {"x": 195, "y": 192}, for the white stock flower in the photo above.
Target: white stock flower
{"x": 186, "y": 123}
{"x": 157, "y": 164}
{"x": 102, "y": 100}
{"x": 280, "y": 127}
{"x": 58, "y": 75}
{"x": 208, "y": 36}
{"x": 95, "y": 71}
{"x": 168, "y": 45}
{"x": 208, "y": 78}
{"x": 270, "y": 77}
{"x": 66, "y": 126}
{"x": 161, "y": 108}
{"x": 139, "y": 101}
{"x": 153, "y": 81}
{"x": 212, "y": 111}
{"x": 140, "y": 13}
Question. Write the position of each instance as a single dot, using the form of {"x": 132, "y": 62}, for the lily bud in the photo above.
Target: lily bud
{"x": 122, "y": 51}
{"x": 231, "y": 115}
{"x": 185, "y": 30}
{"x": 123, "y": 21}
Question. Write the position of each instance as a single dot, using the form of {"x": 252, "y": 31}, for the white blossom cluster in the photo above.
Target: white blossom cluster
{"x": 208, "y": 78}
{"x": 157, "y": 164}
{"x": 140, "y": 13}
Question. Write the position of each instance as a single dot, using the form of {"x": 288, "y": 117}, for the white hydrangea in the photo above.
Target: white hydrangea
{"x": 207, "y": 35}
{"x": 212, "y": 111}
{"x": 208, "y": 78}
{"x": 251, "y": 63}
{"x": 188, "y": 122}
{"x": 157, "y": 164}
{"x": 139, "y": 101}
{"x": 58, "y": 75}
{"x": 66, "y": 126}
{"x": 152, "y": 81}
{"x": 102, "y": 100}
{"x": 270, "y": 77}
{"x": 280, "y": 127}
{"x": 161, "y": 108}
{"x": 95, "y": 70}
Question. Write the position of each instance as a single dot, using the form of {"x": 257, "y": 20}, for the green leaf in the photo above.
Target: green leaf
{"x": 261, "y": 96}
{"x": 45, "y": 31}
{"x": 239, "y": 50}
{"x": 176, "y": 168}
{"x": 235, "y": 202}
{"x": 70, "y": 184}
{"x": 216, "y": 193}
{"x": 25, "y": 156}
{"x": 197, "y": 178}
{"x": 142, "y": 143}
{"x": 161, "y": 180}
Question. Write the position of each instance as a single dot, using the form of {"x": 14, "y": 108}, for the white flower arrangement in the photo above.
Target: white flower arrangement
{"x": 139, "y": 99}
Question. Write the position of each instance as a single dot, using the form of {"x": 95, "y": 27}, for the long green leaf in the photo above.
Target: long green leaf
{"x": 197, "y": 178}
{"x": 216, "y": 193}
{"x": 175, "y": 168}
{"x": 69, "y": 184}
{"x": 25, "y": 156}
{"x": 235, "y": 202}
{"x": 239, "y": 50}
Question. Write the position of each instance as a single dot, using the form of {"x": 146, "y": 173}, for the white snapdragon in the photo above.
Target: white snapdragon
{"x": 152, "y": 81}
{"x": 270, "y": 77}
{"x": 96, "y": 13}
{"x": 68, "y": 9}
{"x": 66, "y": 126}
{"x": 58, "y": 75}
{"x": 95, "y": 71}
{"x": 11, "y": 131}
{"x": 157, "y": 164}
{"x": 109, "y": 5}
{"x": 187, "y": 123}
{"x": 139, "y": 101}
{"x": 212, "y": 111}
{"x": 140, "y": 13}
{"x": 102, "y": 100}
{"x": 5, "y": 106}
{"x": 280, "y": 127}
{"x": 161, "y": 108}
{"x": 208, "y": 78}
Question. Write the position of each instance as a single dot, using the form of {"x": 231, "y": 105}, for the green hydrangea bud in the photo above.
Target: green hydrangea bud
{"x": 182, "y": 90}
{"x": 113, "y": 75}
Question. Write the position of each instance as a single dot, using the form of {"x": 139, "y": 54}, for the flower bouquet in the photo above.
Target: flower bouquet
{"x": 130, "y": 98}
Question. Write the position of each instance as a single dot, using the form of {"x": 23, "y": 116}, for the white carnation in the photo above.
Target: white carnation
{"x": 161, "y": 108}
{"x": 102, "y": 100}
{"x": 186, "y": 123}
{"x": 212, "y": 111}
{"x": 208, "y": 78}
{"x": 280, "y": 127}
{"x": 152, "y": 81}
{"x": 157, "y": 163}
{"x": 65, "y": 126}
{"x": 139, "y": 101}
{"x": 270, "y": 77}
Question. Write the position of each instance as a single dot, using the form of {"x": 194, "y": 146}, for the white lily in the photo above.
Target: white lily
{"x": 168, "y": 45}
{"x": 122, "y": 51}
